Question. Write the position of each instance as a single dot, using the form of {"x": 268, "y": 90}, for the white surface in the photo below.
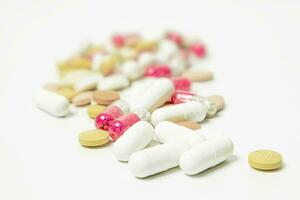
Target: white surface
{"x": 254, "y": 49}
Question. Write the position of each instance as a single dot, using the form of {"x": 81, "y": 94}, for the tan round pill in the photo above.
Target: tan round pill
{"x": 67, "y": 92}
{"x": 82, "y": 99}
{"x": 198, "y": 75}
{"x": 218, "y": 100}
{"x": 105, "y": 97}
{"x": 189, "y": 124}
{"x": 265, "y": 160}
{"x": 93, "y": 138}
{"x": 94, "y": 110}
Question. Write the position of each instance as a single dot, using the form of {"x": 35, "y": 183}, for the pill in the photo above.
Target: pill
{"x": 113, "y": 82}
{"x": 205, "y": 155}
{"x": 131, "y": 70}
{"x": 51, "y": 103}
{"x": 218, "y": 101}
{"x": 166, "y": 49}
{"x": 198, "y": 75}
{"x": 155, "y": 95}
{"x": 175, "y": 37}
{"x": 67, "y": 92}
{"x": 189, "y": 124}
{"x": 118, "y": 40}
{"x": 177, "y": 64}
{"x": 181, "y": 83}
{"x": 144, "y": 45}
{"x": 94, "y": 110}
{"x": 168, "y": 132}
{"x": 265, "y": 160}
{"x": 105, "y": 97}
{"x": 72, "y": 77}
{"x": 88, "y": 82}
{"x": 93, "y": 138}
{"x": 82, "y": 99}
{"x": 158, "y": 71}
{"x": 134, "y": 139}
{"x": 198, "y": 49}
{"x": 112, "y": 112}
{"x": 189, "y": 111}
{"x": 127, "y": 53}
{"x": 53, "y": 87}
{"x": 145, "y": 59}
{"x": 156, "y": 159}
{"x": 110, "y": 62}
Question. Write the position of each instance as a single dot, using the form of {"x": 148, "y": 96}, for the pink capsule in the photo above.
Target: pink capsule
{"x": 181, "y": 83}
{"x": 180, "y": 96}
{"x": 175, "y": 37}
{"x": 119, "y": 126}
{"x": 158, "y": 71}
{"x": 198, "y": 49}
{"x": 103, "y": 120}
{"x": 118, "y": 40}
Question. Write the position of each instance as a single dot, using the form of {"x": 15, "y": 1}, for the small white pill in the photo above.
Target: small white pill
{"x": 155, "y": 95}
{"x": 51, "y": 103}
{"x": 134, "y": 139}
{"x": 189, "y": 111}
{"x": 113, "y": 82}
{"x": 206, "y": 155}
{"x": 145, "y": 59}
{"x": 88, "y": 82}
{"x": 156, "y": 159}
{"x": 168, "y": 132}
{"x": 131, "y": 70}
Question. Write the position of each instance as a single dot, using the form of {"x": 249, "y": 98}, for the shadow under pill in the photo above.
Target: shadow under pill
{"x": 159, "y": 175}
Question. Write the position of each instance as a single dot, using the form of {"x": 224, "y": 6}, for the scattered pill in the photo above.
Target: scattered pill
{"x": 67, "y": 92}
{"x": 105, "y": 97}
{"x": 113, "y": 82}
{"x": 51, "y": 103}
{"x": 88, "y": 82}
{"x": 205, "y": 155}
{"x": 82, "y": 99}
{"x": 198, "y": 75}
{"x": 134, "y": 139}
{"x": 265, "y": 160}
{"x": 93, "y": 138}
{"x": 218, "y": 101}
{"x": 189, "y": 124}
{"x": 94, "y": 110}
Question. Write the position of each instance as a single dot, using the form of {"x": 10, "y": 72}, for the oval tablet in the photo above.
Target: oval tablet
{"x": 134, "y": 139}
{"x": 105, "y": 97}
{"x": 113, "y": 82}
{"x": 82, "y": 99}
{"x": 67, "y": 92}
{"x": 93, "y": 138}
{"x": 265, "y": 160}
{"x": 198, "y": 75}
{"x": 94, "y": 110}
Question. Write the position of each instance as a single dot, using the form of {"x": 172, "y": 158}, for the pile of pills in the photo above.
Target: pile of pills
{"x": 137, "y": 90}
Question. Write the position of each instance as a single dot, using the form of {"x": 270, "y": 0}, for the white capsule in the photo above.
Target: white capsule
{"x": 189, "y": 111}
{"x": 177, "y": 65}
{"x": 113, "y": 82}
{"x": 206, "y": 155}
{"x": 166, "y": 50}
{"x": 137, "y": 137}
{"x": 145, "y": 59}
{"x": 88, "y": 82}
{"x": 156, "y": 159}
{"x": 51, "y": 103}
{"x": 131, "y": 70}
{"x": 156, "y": 95}
{"x": 166, "y": 132}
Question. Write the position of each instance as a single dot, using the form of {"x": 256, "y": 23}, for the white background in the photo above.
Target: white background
{"x": 254, "y": 52}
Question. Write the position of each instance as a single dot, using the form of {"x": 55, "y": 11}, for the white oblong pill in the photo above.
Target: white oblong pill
{"x": 137, "y": 137}
{"x": 166, "y": 131}
{"x": 155, "y": 95}
{"x": 88, "y": 82}
{"x": 189, "y": 111}
{"x": 145, "y": 59}
{"x": 206, "y": 155}
{"x": 52, "y": 103}
{"x": 131, "y": 70}
{"x": 113, "y": 82}
{"x": 156, "y": 159}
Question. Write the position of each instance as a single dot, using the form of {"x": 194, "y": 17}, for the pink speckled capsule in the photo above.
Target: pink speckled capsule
{"x": 158, "y": 71}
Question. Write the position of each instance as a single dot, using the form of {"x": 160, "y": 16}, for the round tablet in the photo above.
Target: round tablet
{"x": 105, "y": 97}
{"x": 82, "y": 99}
{"x": 189, "y": 124}
{"x": 265, "y": 160}
{"x": 93, "y": 138}
{"x": 94, "y": 110}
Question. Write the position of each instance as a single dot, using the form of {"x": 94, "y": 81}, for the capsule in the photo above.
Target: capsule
{"x": 113, "y": 82}
{"x": 134, "y": 139}
{"x": 206, "y": 155}
{"x": 182, "y": 83}
{"x": 158, "y": 71}
{"x": 145, "y": 59}
{"x": 112, "y": 112}
{"x": 131, "y": 70}
{"x": 156, "y": 159}
{"x": 166, "y": 132}
{"x": 156, "y": 95}
{"x": 189, "y": 111}
{"x": 51, "y": 103}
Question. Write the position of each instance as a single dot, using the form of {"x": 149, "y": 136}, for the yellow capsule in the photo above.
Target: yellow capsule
{"x": 265, "y": 160}
{"x": 145, "y": 46}
{"x": 109, "y": 64}
{"x": 80, "y": 62}
{"x": 93, "y": 138}
{"x": 94, "y": 110}
{"x": 67, "y": 92}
